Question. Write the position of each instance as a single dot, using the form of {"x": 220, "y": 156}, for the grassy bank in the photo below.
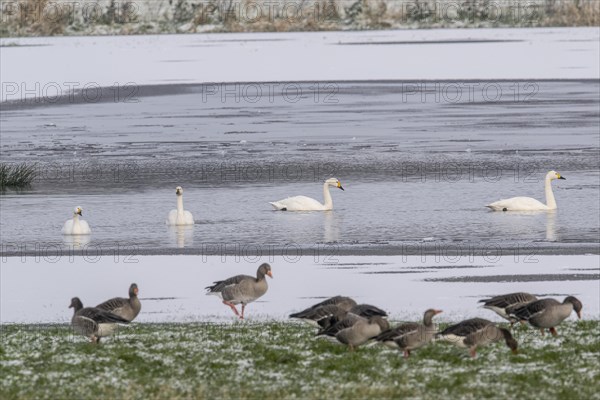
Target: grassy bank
{"x": 282, "y": 360}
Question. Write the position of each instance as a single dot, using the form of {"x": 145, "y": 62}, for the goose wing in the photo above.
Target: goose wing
{"x": 100, "y": 316}
{"x": 528, "y": 311}
{"x": 466, "y": 327}
{"x": 219, "y": 286}
{"x": 398, "y": 332}
{"x": 507, "y": 300}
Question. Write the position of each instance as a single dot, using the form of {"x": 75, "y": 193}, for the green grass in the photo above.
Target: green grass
{"x": 16, "y": 176}
{"x": 276, "y": 360}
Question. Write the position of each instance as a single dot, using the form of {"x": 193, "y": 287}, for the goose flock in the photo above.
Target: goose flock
{"x": 182, "y": 217}
{"x": 342, "y": 319}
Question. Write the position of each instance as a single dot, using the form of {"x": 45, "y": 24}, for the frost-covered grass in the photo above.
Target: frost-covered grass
{"x": 283, "y": 360}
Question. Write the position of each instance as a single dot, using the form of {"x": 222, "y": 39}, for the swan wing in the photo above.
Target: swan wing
{"x": 67, "y": 228}
{"x": 189, "y": 218}
{"x": 85, "y": 228}
{"x": 518, "y": 204}
{"x": 172, "y": 217}
{"x": 298, "y": 203}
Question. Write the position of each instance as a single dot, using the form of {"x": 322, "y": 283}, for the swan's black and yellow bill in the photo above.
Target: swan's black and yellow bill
{"x": 339, "y": 185}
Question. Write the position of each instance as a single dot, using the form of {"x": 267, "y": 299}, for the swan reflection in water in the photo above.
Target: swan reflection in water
{"x": 182, "y": 234}
{"x": 331, "y": 227}
{"x": 76, "y": 242}
{"x": 551, "y": 235}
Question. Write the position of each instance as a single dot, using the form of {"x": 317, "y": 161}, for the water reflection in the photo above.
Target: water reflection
{"x": 76, "y": 242}
{"x": 331, "y": 227}
{"x": 551, "y": 235}
{"x": 182, "y": 235}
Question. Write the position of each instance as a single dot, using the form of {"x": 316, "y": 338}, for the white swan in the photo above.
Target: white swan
{"x": 76, "y": 226}
{"x": 528, "y": 203}
{"x": 180, "y": 216}
{"x": 303, "y": 203}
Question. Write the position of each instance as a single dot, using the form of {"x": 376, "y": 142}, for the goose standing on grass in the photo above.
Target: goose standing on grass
{"x": 354, "y": 331}
{"x": 477, "y": 332}
{"x": 548, "y": 313}
{"x": 303, "y": 203}
{"x": 180, "y": 216}
{"x": 505, "y": 304}
{"x": 242, "y": 289}
{"x": 356, "y": 312}
{"x": 93, "y": 322}
{"x": 410, "y": 336}
{"x": 321, "y": 316}
{"x": 76, "y": 226}
{"x": 127, "y": 308}
{"x": 528, "y": 203}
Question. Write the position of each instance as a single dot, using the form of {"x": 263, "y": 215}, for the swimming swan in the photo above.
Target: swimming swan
{"x": 528, "y": 203}
{"x": 180, "y": 216}
{"x": 303, "y": 203}
{"x": 76, "y": 226}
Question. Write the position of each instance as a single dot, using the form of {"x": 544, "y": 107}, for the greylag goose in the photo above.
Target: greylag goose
{"x": 242, "y": 289}
{"x": 126, "y": 308}
{"x": 410, "y": 336}
{"x": 361, "y": 331}
{"x": 93, "y": 322}
{"x": 308, "y": 314}
{"x": 360, "y": 310}
{"x": 322, "y": 315}
{"x": 504, "y": 304}
{"x": 548, "y": 313}
{"x": 476, "y": 332}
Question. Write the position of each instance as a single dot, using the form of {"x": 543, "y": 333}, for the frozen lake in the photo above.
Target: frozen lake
{"x": 414, "y": 170}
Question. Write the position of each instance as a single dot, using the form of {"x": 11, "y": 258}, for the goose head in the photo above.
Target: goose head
{"x": 552, "y": 175}
{"x": 178, "y": 190}
{"x": 428, "y": 316}
{"x": 78, "y": 211}
{"x": 577, "y": 305}
{"x": 510, "y": 340}
{"x": 334, "y": 182}
{"x": 264, "y": 269}
{"x": 133, "y": 290}
{"x": 76, "y": 304}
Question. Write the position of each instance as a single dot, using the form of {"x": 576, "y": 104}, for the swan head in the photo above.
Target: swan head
{"x": 334, "y": 182}
{"x": 78, "y": 211}
{"x": 552, "y": 175}
{"x": 178, "y": 190}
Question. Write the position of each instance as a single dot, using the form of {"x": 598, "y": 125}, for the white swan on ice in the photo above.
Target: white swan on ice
{"x": 528, "y": 203}
{"x": 180, "y": 216}
{"x": 76, "y": 226}
{"x": 303, "y": 203}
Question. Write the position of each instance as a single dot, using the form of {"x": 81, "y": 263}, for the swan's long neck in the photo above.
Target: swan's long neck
{"x": 180, "y": 204}
{"x": 76, "y": 221}
{"x": 550, "y": 202}
{"x": 327, "y": 196}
